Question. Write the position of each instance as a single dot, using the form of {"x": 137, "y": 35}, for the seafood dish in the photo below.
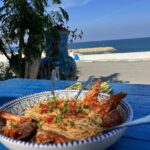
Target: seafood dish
{"x": 59, "y": 120}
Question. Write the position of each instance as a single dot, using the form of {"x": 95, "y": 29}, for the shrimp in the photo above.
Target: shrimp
{"x": 105, "y": 106}
{"x": 16, "y": 127}
{"x": 43, "y": 136}
{"x": 107, "y": 109}
{"x": 92, "y": 95}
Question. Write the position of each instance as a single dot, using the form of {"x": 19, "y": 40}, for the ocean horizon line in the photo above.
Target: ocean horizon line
{"x": 121, "y": 45}
{"x": 117, "y": 39}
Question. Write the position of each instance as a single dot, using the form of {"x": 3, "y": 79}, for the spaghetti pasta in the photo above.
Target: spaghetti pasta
{"x": 71, "y": 119}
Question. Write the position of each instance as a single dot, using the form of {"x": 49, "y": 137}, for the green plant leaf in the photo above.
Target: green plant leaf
{"x": 64, "y": 13}
{"x": 56, "y": 1}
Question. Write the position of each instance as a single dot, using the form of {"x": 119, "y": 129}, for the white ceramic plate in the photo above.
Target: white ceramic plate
{"x": 100, "y": 142}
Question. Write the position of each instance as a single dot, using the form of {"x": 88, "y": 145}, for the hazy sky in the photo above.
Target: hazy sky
{"x": 109, "y": 19}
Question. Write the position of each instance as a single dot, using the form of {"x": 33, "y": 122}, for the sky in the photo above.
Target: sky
{"x": 109, "y": 19}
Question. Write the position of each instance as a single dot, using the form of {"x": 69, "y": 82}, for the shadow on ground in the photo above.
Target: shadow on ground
{"x": 112, "y": 78}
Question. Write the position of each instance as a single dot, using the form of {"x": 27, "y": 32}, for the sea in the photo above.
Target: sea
{"x": 121, "y": 46}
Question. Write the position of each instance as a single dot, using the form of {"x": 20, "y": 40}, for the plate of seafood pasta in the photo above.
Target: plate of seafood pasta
{"x": 44, "y": 121}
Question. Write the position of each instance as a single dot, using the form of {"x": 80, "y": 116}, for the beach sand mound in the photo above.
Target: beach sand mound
{"x": 93, "y": 50}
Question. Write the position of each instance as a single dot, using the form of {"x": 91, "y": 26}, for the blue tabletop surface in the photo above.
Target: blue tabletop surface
{"x": 136, "y": 138}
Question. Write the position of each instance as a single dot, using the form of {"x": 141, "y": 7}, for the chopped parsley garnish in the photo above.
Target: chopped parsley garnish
{"x": 38, "y": 125}
{"x": 51, "y": 109}
{"x": 13, "y": 125}
{"x": 79, "y": 110}
{"x": 58, "y": 118}
{"x": 66, "y": 108}
{"x": 86, "y": 107}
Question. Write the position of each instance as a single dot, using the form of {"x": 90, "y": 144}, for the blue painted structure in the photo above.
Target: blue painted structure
{"x": 136, "y": 138}
{"x": 65, "y": 64}
{"x": 76, "y": 57}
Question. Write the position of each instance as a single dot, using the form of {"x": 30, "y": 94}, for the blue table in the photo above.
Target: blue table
{"x": 136, "y": 138}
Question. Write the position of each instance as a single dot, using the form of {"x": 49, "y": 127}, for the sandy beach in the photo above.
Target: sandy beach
{"x": 136, "y": 72}
{"x": 93, "y": 50}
